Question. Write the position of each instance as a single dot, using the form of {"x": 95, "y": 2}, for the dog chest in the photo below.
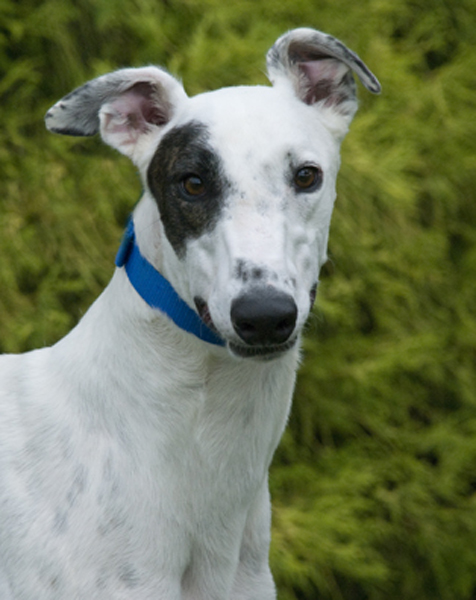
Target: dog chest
{"x": 148, "y": 492}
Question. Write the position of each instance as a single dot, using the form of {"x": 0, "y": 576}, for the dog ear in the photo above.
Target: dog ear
{"x": 319, "y": 68}
{"x": 124, "y": 106}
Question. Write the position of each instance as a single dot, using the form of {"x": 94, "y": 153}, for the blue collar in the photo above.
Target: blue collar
{"x": 157, "y": 291}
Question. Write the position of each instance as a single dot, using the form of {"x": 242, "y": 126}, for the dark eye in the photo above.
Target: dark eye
{"x": 308, "y": 179}
{"x": 193, "y": 186}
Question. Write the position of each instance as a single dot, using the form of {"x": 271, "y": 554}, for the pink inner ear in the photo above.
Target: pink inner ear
{"x": 139, "y": 108}
{"x": 323, "y": 77}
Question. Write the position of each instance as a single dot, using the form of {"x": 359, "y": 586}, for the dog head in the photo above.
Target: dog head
{"x": 239, "y": 182}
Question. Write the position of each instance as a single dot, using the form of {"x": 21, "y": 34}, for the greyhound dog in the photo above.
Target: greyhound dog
{"x": 134, "y": 453}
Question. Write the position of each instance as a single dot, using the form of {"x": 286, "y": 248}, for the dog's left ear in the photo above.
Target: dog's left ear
{"x": 124, "y": 106}
{"x": 319, "y": 68}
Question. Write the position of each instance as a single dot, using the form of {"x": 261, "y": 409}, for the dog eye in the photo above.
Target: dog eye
{"x": 193, "y": 186}
{"x": 308, "y": 179}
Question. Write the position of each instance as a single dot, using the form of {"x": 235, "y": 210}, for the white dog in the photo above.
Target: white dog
{"x": 134, "y": 453}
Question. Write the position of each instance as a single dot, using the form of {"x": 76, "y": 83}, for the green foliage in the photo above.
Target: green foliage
{"x": 374, "y": 484}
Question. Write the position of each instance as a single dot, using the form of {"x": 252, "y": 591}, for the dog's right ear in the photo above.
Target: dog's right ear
{"x": 124, "y": 106}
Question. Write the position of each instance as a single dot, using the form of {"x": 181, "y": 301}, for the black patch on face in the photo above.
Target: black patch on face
{"x": 182, "y": 153}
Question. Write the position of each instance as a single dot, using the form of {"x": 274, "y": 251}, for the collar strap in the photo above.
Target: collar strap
{"x": 154, "y": 289}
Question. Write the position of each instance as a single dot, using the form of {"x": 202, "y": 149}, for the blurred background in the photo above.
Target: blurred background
{"x": 374, "y": 483}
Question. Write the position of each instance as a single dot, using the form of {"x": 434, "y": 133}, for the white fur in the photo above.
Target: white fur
{"x": 133, "y": 456}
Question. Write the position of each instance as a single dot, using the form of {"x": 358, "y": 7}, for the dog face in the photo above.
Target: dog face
{"x": 244, "y": 183}
{"x": 242, "y": 180}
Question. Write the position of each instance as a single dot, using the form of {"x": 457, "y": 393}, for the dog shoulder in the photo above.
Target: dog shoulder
{"x": 24, "y": 389}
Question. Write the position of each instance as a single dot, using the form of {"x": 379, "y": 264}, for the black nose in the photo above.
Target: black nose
{"x": 264, "y": 316}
